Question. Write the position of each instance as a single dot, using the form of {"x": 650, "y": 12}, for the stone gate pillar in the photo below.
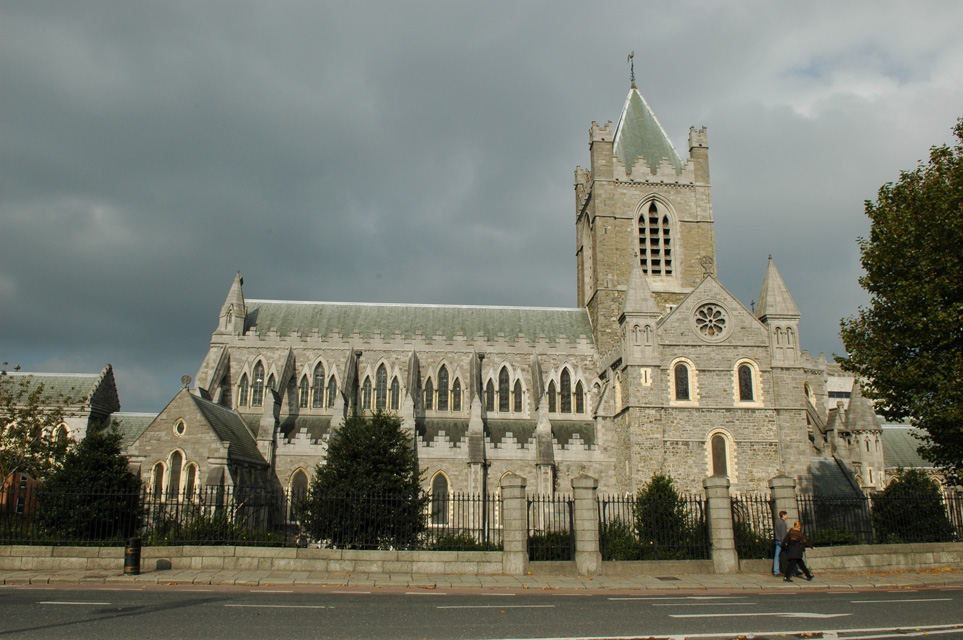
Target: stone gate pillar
{"x": 719, "y": 515}
{"x": 588, "y": 558}
{"x": 514, "y": 525}
{"x": 784, "y": 497}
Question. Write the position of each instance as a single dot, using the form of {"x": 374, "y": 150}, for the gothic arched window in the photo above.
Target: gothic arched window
{"x": 381, "y": 387}
{"x": 456, "y": 395}
{"x": 443, "y": 388}
{"x": 552, "y": 397}
{"x": 517, "y": 397}
{"x": 318, "y": 401}
{"x": 242, "y": 391}
{"x": 366, "y": 394}
{"x": 565, "y": 392}
{"x": 190, "y": 481}
{"x": 304, "y": 390}
{"x": 579, "y": 398}
{"x": 157, "y": 480}
{"x": 299, "y": 485}
{"x": 429, "y": 395}
{"x": 745, "y": 383}
{"x": 332, "y": 391}
{"x": 439, "y": 499}
{"x": 655, "y": 241}
{"x": 503, "y": 390}
{"x": 395, "y": 394}
{"x": 489, "y": 396}
{"x": 174, "y": 484}
{"x": 681, "y": 375}
{"x": 257, "y": 389}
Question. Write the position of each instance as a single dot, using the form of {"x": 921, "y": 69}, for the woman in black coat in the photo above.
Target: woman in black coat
{"x": 794, "y": 545}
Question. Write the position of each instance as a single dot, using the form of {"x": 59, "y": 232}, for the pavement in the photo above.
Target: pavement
{"x": 749, "y": 582}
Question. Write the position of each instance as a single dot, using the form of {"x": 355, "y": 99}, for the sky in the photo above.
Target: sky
{"x": 422, "y": 152}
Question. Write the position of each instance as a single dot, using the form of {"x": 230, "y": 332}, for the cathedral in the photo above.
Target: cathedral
{"x": 659, "y": 369}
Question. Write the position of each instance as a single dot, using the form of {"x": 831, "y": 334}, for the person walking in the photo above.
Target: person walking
{"x": 779, "y": 531}
{"x": 795, "y": 544}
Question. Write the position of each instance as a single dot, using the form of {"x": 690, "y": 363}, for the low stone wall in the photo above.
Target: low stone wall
{"x": 854, "y": 558}
{"x": 201, "y": 558}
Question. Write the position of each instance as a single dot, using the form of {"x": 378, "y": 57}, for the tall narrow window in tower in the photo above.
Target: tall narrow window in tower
{"x": 318, "y": 400}
{"x": 503, "y": 390}
{"x": 381, "y": 388}
{"x": 332, "y": 390}
{"x": 552, "y": 397}
{"x": 579, "y": 398}
{"x": 720, "y": 457}
{"x": 304, "y": 390}
{"x": 443, "y": 388}
{"x": 681, "y": 374}
{"x": 429, "y": 395}
{"x": 655, "y": 241}
{"x": 394, "y": 395}
{"x": 565, "y": 393}
{"x": 489, "y": 396}
{"x": 745, "y": 383}
{"x": 242, "y": 391}
{"x": 257, "y": 389}
{"x": 456, "y": 395}
{"x": 517, "y": 397}
{"x": 366, "y": 394}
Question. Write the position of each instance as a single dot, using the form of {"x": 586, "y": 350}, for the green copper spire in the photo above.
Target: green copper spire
{"x": 639, "y": 134}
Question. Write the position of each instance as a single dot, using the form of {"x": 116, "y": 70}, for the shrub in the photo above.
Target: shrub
{"x": 911, "y": 509}
{"x": 550, "y": 545}
{"x": 461, "y": 542}
{"x": 619, "y": 542}
{"x": 832, "y": 537}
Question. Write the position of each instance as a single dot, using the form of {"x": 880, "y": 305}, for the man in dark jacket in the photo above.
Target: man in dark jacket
{"x": 779, "y": 530}
{"x": 794, "y": 545}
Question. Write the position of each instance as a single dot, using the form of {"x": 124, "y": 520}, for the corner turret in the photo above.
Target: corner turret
{"x": 777, "y": 311}
{"x": 234, "y": 311}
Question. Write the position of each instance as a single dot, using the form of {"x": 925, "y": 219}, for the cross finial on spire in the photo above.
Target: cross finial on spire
{"x": 631, "y": 61}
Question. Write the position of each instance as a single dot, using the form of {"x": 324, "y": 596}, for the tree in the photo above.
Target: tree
{"x": 661, "y": 520}
{"x": 29, "y": 417}
{"x": 911, "y": 509}
{"x": 907, "y": 345}
{"x": 366, "y": 493}
{"x": 93, "y": 496}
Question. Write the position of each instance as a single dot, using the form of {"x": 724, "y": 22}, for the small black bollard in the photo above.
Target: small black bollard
{"x": 132, "y": 557}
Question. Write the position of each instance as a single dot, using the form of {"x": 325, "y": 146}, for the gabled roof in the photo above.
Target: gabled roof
{"x": 73, "y": 389}
{"x": 229, "y": 427}
{"x": 832, "y": 478}
{"x": 774, "y": 299}
{"x": 900, "y": 444}
{"x": 639, "y": 134}
{"x": 131, "y": 426}
{"x": 449, "y": 321}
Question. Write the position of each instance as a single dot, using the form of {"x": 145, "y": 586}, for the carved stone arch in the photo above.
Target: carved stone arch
{"x": 739, "y": 395}
{"x": 674, "y": 382}
{"x": 440, "y": 503}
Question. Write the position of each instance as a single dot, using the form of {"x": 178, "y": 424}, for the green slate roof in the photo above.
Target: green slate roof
{"x": 229, "y": 427}
{"x": 131, "y": 426}
{"x": 899, "y": 448}
{"x": 448, "y": 321}
{"x": 639, "y": 134}
{"x": 77, "y": 387}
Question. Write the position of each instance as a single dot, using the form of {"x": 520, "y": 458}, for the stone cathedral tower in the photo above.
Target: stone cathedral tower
{"x": 639, "y": 202}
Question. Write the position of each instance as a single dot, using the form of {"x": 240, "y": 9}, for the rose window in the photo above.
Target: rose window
{"x": 710, "y": 320}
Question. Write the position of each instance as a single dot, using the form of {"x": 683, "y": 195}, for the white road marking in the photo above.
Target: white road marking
{"x": 903, "y": 600}
{"x": 679, "y": 598}
{"x": 278, "y": 606}
{"x": 702, "y": 604}
{"x": 495, "y": 606}
{"x": 99, "y": 604}
{"x": 777, "y": 614}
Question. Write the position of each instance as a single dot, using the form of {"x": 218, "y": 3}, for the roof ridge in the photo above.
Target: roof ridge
{"x": 417, "y": 304}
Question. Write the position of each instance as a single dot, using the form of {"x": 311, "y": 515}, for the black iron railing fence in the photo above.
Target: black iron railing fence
{"x": 633, "y": 528}
{"x": 258, "y": 517}
{"x": 752, "y": 521}
{"x": 551, "y": 527}
{"x": 880, "y": 518}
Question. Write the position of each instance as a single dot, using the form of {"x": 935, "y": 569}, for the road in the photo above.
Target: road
{"x": 290, "y": 613}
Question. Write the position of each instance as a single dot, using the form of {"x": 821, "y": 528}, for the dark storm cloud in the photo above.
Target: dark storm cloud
{"x": 419, "y": 152}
